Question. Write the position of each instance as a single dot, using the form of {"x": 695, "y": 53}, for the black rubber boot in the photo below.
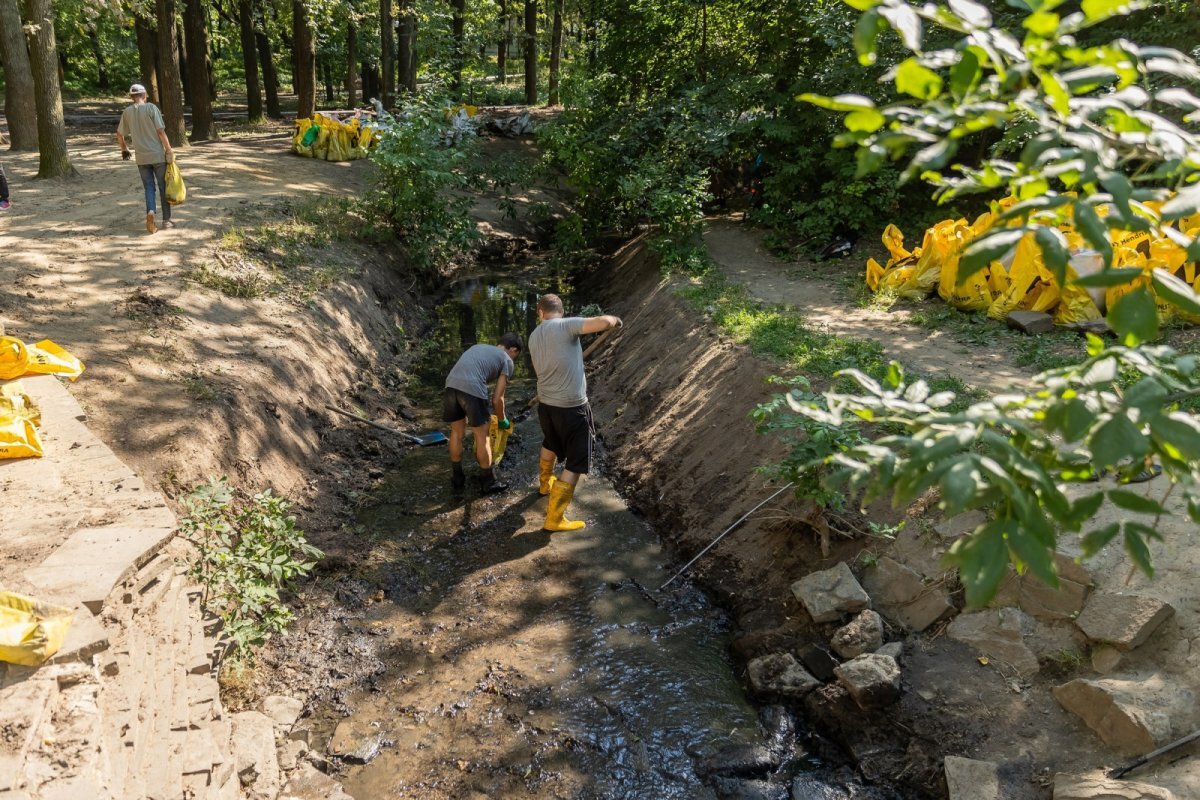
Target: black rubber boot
{"x": 458, "y": 480}
{"x": 488, "y": 483}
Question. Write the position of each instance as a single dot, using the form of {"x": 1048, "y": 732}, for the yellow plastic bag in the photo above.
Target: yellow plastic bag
{"x": 499, "y": 439}
{"x": 18, "y": 438}
{"x": 15, "y": 403}
{"x": 1075, "y": 304}
{"x": 1027, "y": 285}
{"x": 975, "y": 293}
{"x": 14, "y": 358}
{"x": 176, "y": 191}
{"x": 30, "y": 631}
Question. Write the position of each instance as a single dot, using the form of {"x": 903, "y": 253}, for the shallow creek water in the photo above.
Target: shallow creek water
{"x": 527, "y": 664}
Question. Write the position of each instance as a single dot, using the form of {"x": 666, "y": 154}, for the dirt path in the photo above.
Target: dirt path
{"x": 740, "y": 252}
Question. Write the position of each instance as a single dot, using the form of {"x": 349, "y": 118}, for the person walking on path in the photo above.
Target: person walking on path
{"x": 5, "y": 205}
{"x": 465, "y": 402}
{"x": 563, "y": 410}
{"x": 142, "y": 126}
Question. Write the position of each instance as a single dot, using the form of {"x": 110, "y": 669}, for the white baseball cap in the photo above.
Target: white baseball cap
{"x": 137, "y": 88}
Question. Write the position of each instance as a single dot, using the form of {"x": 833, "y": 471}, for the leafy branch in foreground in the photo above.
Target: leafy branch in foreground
{"x": 246, "y": 554}
{"x": 1017, "y": 456}
{"x": 1106, "y": 147}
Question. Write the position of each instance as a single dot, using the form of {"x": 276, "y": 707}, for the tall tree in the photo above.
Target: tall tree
{"x": 305, "y": 50}
{"x": 266, "y": 57}
{"x": 351, "y": 61}
{"x": 502, "y": 45}
{"x": 458, "y": 45}
{"x": 98, "y": 53}
{"x": 531, "y": 92}
{"x": 170, "y": 90}
{"x": 406, "y": 58}
{"x": 54, "y": 162}
{"x": 556, "y": 36}
{"x": 147, "y": 44}
{"x": 254, "y": 103}
{"x": 387, "y": 48}
{"x": 194, "y": 27}
{"x": 20, "y": 107}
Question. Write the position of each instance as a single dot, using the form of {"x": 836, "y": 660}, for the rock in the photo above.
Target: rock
{"x": 863, "y": 634}
{"x": 740, "y": 760}
{"x": 1042, "y": 601}
{"x": 819, "y": 661}
{"x": 968, "y": 779}
{"x": 283, "y": 710}
{"x": 1079, "y": 787}
{"x": 872, "y": 680}
{"x": 309, "y": 783}
{"x": 807, "y": 787}
{"x": 780, "y": 675}
{"x": 741, "y": 789}
{"x": 830, "y": 593}
{"x": 253, "y": 747}
{"x": 1030, "y": 322}
{"x": 1122, "y": 620}
{"x": 355, "y": 740}
{"x": 960, "y": 525}
{"x": 289, "y": 753}
{"x": 778, "y": 726}
{"x": 893, "y": 649}
{"x": 997, "y": 634}
{"x": 1106, "y": 659}
{"x": 899, "y": 594}
{"x": 1129, "y": 715}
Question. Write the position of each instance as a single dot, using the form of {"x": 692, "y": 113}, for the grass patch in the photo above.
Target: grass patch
{"x": 247, "y": 284}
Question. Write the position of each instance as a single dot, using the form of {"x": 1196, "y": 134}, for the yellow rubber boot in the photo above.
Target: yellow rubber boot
{"x": 545, "y": 476}
{"x": 560, "y": 497}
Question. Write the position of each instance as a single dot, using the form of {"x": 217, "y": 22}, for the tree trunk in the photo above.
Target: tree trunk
{"x": 254, "y": 103}
{"x": 43, "y": 61}
{"x": 203, "y": 128}
{"x": 406, "y": 53}
{"x": 387, "y": 48}
{"x": 181, "y": 49}
{"x": 351, "y": 62}
{"x": 20, "y": 105}
{"x": 502, "y": 45}
{"x": 555, "y": 53}
{"x": 531, "y": 88}
{"x": 147, "y": 43}
{"x": 327, "y": 77}
{"x": 98, "y": 54}
{"x": 169, "y": 88}
{"x": 306, "y": 57}
{"x": 267, "y": 58}
{"x": 458, "y": 14}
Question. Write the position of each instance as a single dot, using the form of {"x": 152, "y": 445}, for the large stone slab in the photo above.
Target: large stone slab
{"x": 253, "y": 746}
{"x": 22, "y": 707}
{"x": 309, "y": 783}
{"x": 85, "y": 638}
{"x": 1080, "y": 787}
{"x": 863, "y": 634}
{"x": 780, "y": 675}
{"x": 872, "y": 680}
{"x": 997, "y": 634}
{"x": 1122, "y": 620}
{"x": 1131, "y": 715}
{"x": 968, "y": 779}
{"x": 899, "y": 594}
{"x": 830, "y": 593}
{"x": 94, "y": 560}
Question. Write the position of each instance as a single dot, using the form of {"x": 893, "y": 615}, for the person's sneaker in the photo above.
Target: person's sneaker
{"x": 150, "y": 226}
{"x": 167, "y": 224}
{"x": 5, "y": 205}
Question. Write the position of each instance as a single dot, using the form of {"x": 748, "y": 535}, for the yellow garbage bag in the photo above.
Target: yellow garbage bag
{"x": 15, "y": 403}
{"x": 30, "y": 631}
{"x": 176, "y": 191}
{"x": 1075, "y": 304}
{"x": 14, "y": 358}
{"x": 47, "y": 358}
{"x": 911, "y": 275}
{"x": 1026, "y": 285}
{"x": 974, "y": 294}
{"x": 499, "y": 439}
{"x": 18, "y": 438}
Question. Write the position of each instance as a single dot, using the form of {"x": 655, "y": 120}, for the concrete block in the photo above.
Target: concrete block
{"x": 1030, "y": 322}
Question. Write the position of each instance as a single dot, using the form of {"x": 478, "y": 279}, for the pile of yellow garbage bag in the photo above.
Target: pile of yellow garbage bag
{"x": 1020, "y": 280}
{"x": 19, "y": 414}
{"x": 331, "y": 140}
{"x": 30, "y": 630}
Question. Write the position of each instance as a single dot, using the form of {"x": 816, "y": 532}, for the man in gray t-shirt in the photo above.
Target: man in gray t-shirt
{"x": 465, "y": 402}
{"x": 563, "y": 410}
{"x": 142, "y": 126}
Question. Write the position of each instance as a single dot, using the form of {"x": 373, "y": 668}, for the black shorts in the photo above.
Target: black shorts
{"x": 457, "y": 404}
{"x": 567, "y": 432}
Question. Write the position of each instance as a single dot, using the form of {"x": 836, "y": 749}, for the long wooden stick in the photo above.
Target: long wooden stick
{"x": 374, "y": 424}
{"x": 1146, "y": 759}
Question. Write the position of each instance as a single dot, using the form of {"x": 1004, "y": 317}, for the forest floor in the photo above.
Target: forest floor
{"x": 210, "y": 352}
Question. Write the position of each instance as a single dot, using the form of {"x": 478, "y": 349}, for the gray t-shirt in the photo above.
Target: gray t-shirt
{"x": 558, "y": 361}
{"x": 139, "y": 125}
{"x": 477, "y": 367}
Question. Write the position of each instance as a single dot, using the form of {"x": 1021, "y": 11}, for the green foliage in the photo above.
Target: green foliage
{"x": 247, "y": 552}
{"x": 418, "y": 173}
